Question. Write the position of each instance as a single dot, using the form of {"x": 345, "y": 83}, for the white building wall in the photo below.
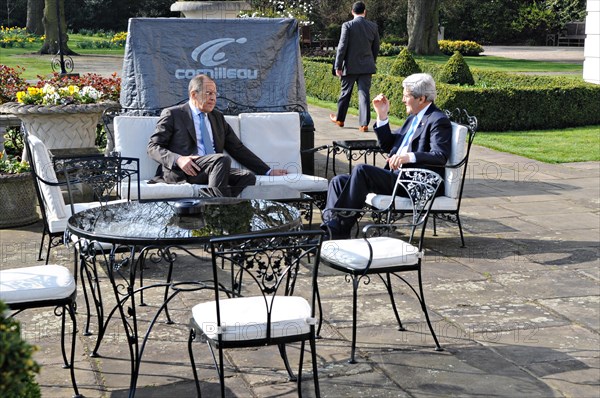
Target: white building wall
{"x": 591, "y": 52}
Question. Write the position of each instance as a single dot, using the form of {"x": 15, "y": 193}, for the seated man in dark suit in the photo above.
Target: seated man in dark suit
{"x": 190, "y": 139}
{"x": 423, "y": 141}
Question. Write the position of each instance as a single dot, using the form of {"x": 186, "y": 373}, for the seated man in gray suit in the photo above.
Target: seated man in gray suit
{"x": 190, "y": 139}
{"x": 423, "y": 141}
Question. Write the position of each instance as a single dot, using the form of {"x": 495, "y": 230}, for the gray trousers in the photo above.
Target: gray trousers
{"x": 216, "y": 171}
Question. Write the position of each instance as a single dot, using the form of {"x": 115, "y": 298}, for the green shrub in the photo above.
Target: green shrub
{"x": 387, "y": 49}
{"x": 405, "y": 64}
{"x": 323, "y": 59}
{"x": 500, "y": 101}
{"x": 456, "y": 71}
{"x": 86, "y": 32}
{"x": 17, "y": 367}
{"x": 395, "y": 40}
{"x": 85, "y": 44}
{"x": 465, "y": 47}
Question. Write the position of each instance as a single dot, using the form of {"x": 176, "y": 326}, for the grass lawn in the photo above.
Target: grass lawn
{"x": 39, "y": 65}
{"x": 501, "y": 64}
{"x": 578, "y": 144}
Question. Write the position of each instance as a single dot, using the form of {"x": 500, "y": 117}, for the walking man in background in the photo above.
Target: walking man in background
{"x": 355, "y": 63}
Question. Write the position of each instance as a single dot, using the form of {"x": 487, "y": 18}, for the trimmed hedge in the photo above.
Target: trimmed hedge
{"x": 465, "y": 47}
{"x": 500, "y": 101}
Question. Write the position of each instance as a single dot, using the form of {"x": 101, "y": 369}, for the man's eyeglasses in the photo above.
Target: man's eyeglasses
{"x": 211, "y": 94}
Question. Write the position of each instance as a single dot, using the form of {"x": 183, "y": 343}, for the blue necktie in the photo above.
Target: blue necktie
{"x": 408, "y": 137}
{"x": 208, "y": 147}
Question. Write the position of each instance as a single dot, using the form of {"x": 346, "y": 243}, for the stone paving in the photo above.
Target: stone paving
{"x": 517, "y": 311}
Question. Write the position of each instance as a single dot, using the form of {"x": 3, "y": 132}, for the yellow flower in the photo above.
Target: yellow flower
{"x": 20, "y": 96}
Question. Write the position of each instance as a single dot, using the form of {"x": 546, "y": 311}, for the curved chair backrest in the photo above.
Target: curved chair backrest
{"x": 50, "y": 197}
{"x": 103, "y": 175}
{"x": 464, "y": 128}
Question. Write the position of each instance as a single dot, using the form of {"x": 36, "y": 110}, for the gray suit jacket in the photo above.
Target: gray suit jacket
{"x": 358, "y": 47}
{"x": 175, "y": 135}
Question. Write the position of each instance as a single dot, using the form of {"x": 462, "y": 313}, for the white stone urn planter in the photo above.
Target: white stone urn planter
{"x": 60, "y": 126}
{"x": 210, "y": 9}
{"x": 17, "y": 200}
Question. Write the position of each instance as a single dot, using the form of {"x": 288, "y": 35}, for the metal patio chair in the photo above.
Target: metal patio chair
{"x": 380, "y": 252}
{"x": 267, "y": 309}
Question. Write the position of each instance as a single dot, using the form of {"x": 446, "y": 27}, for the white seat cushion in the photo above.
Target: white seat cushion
{"x": 37, "y": 283}
{"x": 354, "y": 253}
{"x": 162, "y": 190}
{"x": 275, "y": 138}
{"x": 245, "y": 318}
{"x": 299, "y": 182}
{"x": 382, "y": 201}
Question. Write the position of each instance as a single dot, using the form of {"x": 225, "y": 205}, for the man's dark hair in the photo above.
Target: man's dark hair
{"x": 358, "y": 7}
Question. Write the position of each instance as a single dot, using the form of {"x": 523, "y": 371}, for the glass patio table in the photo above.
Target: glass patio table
{"x": 134, "y": 234}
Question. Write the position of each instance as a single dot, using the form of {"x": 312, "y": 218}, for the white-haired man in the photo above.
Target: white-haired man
{"x": 423, "y": 141}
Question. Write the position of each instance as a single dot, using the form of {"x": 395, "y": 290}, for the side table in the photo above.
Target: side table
{"x": 355, "y": 150}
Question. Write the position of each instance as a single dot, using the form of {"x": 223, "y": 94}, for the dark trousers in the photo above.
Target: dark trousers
{"x": 350, "y": 191}
{"x": 364, "y": 100}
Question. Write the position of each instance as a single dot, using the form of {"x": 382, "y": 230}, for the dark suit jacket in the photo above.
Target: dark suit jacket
{"x": 431, "y": 143}
{"x": 175, "y": 135}
{"x": 358, "y": 47}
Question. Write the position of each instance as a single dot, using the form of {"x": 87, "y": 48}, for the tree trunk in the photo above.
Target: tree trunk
{"x": 35, "y": 13}
{"x": 51, "y": 29}
{"x": 422, "y": 25}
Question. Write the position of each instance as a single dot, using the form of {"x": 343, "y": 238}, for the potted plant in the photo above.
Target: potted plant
{"x": 17, "y": 192}
{"x": 63, "y": 111}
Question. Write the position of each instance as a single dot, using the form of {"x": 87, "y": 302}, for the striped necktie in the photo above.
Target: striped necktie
{"x": 206, "y": 141}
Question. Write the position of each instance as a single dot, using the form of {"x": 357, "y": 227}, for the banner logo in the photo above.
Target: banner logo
{"x": 210, "y": 55}
{"x": 208, "y": 51}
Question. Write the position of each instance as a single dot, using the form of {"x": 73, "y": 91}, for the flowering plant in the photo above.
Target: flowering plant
{"x": 58, "y": 90}
{"x": 52, "y": 95}
{"x": 299, "y": 10}
{"x": 10, "y": 82}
